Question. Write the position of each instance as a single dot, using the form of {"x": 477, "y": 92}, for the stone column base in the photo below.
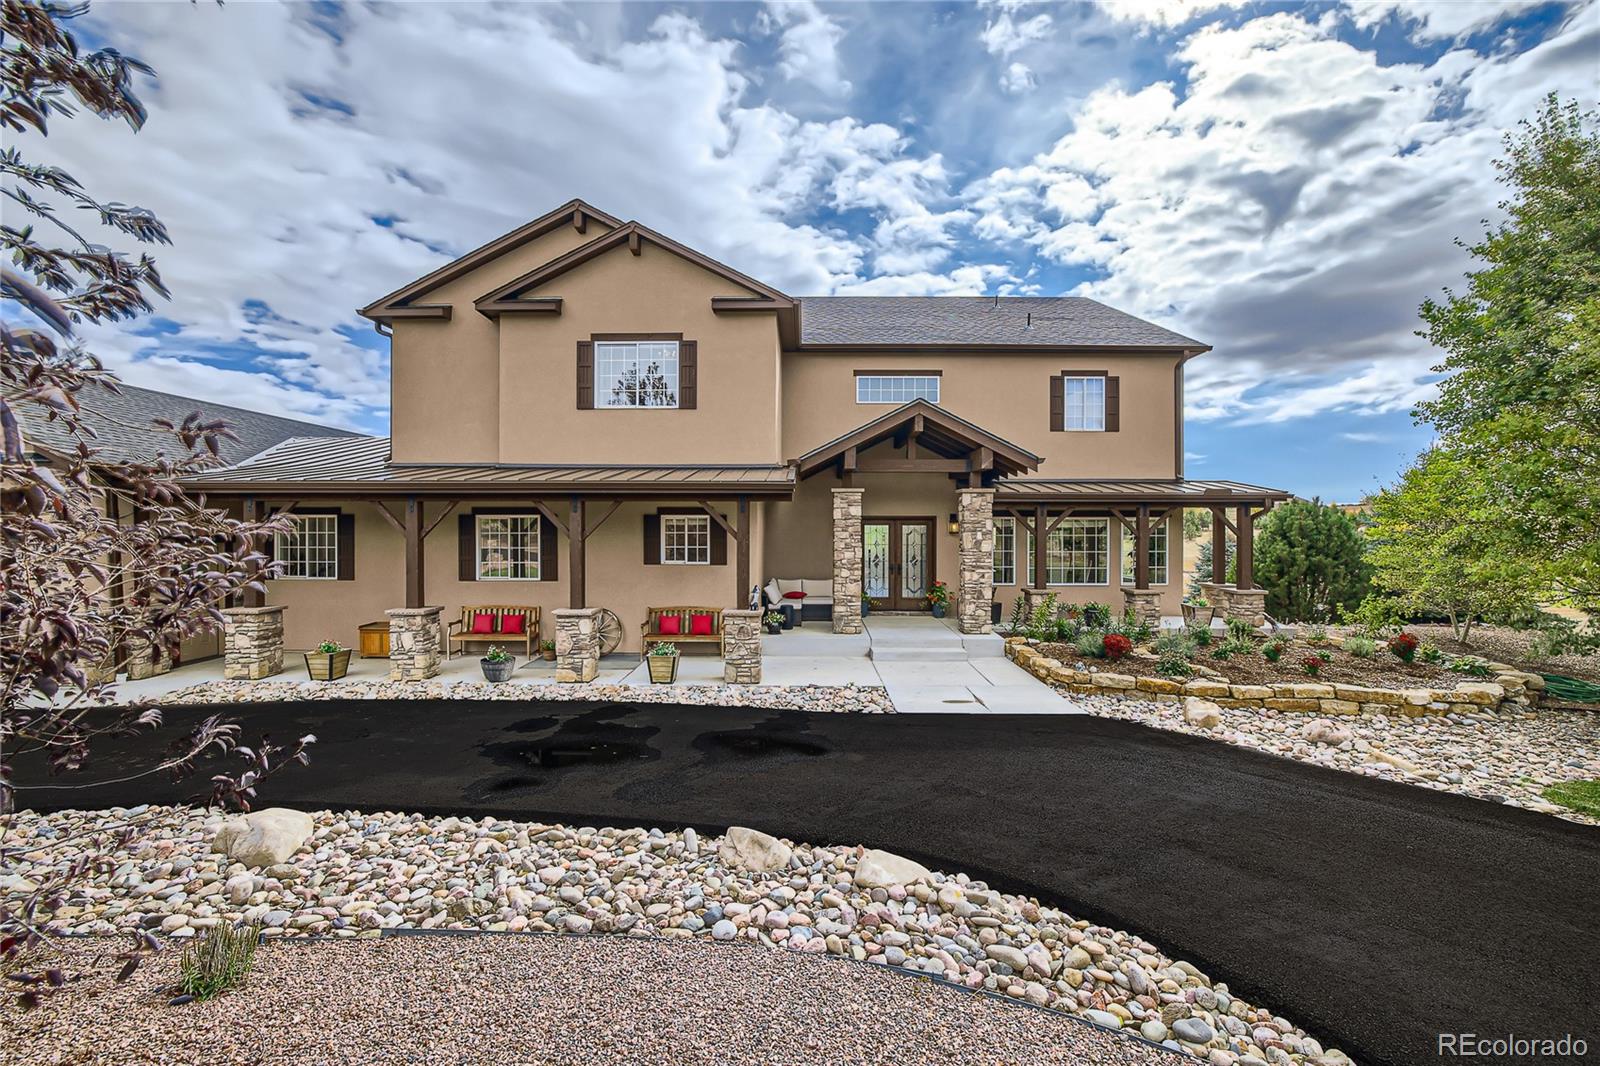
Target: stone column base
{"x": 143, "y": 663}
{"x": 1032, "y": 598}
{"x": 413, "y": 643}
{"x": 847, "y": 560}
{"x": 1216, "y": 595}
{"x": 741, "y": 647}
{"x": 1247, "y": 604}
{"x": 252, "y": 642}
{"x": 1145, "y": 605}
{"x": 975, "y": 580}
{"x": 577, "y": 644}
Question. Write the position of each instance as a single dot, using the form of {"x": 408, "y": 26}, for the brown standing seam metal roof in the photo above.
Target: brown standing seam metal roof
{"x": 1149, "y": 490}
{"x": 979, "y": 321}
{"x": 946, "y": 432}
{"x": 328, "y": 465}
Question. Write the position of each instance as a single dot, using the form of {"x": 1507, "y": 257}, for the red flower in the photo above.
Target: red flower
{"x": 1404, "y": 646}
{"x": 1116, "y": 646}
{"x": 1311, "y": 664}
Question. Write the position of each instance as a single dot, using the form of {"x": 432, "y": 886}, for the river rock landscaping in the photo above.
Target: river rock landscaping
{"x": 357, "y": 875}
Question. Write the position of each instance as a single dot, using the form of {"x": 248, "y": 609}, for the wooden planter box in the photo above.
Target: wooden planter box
{"x": 327, "y": 665}
{"x": 375, "y": 640}
{"x": 663, "y": 668}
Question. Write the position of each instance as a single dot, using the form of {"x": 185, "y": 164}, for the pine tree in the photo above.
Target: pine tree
{"x": 1310, "y": 559}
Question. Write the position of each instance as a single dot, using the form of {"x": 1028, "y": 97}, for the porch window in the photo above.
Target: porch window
{"x": 1005, "y": 551}
{"x": 311, "y": 550}
{"x": 508, "y": 547}
{"x": 1158, "y": 555}
{"x": 1079, "y": 553}
{"x": 897, "y": 388}
{"x": 636, "y": 373}
{"x": 1085, "y": 400}
{"x": 686, "y": 539}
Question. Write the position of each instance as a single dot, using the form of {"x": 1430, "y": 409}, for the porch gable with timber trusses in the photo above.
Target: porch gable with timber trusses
{"x": 933, "y": 441}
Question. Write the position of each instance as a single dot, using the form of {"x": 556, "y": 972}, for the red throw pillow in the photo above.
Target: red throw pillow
{"x": 669, "y": 625}
{"x": 511, "y": 624}
{"x": 794, "y": 595}
{"x": 482, "y": 622}
{"x": 699, "y": 625}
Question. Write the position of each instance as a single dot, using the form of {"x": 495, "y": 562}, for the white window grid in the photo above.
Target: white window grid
{"x": 1085, "y": 400}
{"x": 636, "y": 373}
{"x": 897, "y": 388}
{"x": 686, "y": 540}
{"x": 1079, "y": 553}
{"x": 1005, "y": 551}
{"x": 1158, "y": 555}
{"x": 508, "y": 547}
{"x": 309, "y": 552}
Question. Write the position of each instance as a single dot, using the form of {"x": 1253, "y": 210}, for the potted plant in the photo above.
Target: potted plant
{"x": 497, "y": 664}
{"x": 938, "y": 599}
{"x": 663, "y": 660}
{"x": 1192, "y": 608}
{"x": 774, "y": 621}
{"x": 866, "y": 605}
{"x": 547, "y": 650}
{"x": 329, "y": 662}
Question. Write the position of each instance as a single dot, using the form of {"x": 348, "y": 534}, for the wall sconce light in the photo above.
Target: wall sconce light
{"x": 955, "y": 525}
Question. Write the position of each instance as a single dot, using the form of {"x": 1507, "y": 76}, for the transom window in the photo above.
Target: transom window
{"x": 1158, "y": 555}
{"x": 897, "y": 388}
{"x": 508, "y": 547}
{"x": 686, "y": 539}
{"x": 311, "y": 550}
{"x": 1085, "y": 400}
{"x": 636, "y": 373}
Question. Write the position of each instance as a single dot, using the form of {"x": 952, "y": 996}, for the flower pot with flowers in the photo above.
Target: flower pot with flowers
{"x": 547, "y": 650}
{"x": 497, "y": 664}
{"x": 938, "y": 599}
{"x": 774, "y": 622}
{"x": 1404, "y": 646}
{"x": 329, "y": 662}
{"x": 663, "y": 663}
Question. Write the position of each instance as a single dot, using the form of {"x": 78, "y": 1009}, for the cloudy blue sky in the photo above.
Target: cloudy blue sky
{"x": 1282, "y": 181}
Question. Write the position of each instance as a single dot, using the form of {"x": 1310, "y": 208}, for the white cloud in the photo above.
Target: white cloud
{"x": 1005, "y": 35}
{"x": 1165, "y": 13}
{"x": 1436, "y": 19}
{"x": 1018, "y": 79}
{"x": 809, "y": 44}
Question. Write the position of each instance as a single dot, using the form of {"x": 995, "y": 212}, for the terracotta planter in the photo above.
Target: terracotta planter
{"x": 548, "y": 654}
{"x": 327, "y": 665}
{"x": 498, "y": 671}
{"x": 663, "y": 668}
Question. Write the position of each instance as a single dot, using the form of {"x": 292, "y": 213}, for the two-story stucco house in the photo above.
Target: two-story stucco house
{"x": 587, "y": 413}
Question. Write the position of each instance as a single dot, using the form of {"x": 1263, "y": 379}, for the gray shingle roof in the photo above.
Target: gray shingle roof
{"x": 121, "y": 421}
{"x": 978, "y": 321}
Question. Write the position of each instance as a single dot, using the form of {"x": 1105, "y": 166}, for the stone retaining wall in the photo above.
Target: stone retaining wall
{"x": 1510, "y": 687}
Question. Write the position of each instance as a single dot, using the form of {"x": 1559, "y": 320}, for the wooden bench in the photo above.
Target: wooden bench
{"x": 461, "y": 632}
{"x": 651, "y": 630}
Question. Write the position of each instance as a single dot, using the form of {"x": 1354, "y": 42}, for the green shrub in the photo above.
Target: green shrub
{"x": 1090, "y": 645}
{"x": 1361, "y": 647}
{"x": 1471, "y": 665}
{"x": 1019, "y": 615}
{"x": 1377, "y": 616}
{"x": 1222, "y": 651}
{"x": 1430, "y": 653}
{"x": 1274, "y": 649}
{"x": 1175, "y": 643}
{"x": 217, "y": 961}
{"x": 1239, "y": 647}
{"x": 1240, "y": 629}
{"x": 1174, "y": 665}
{"x": 1311, "y": 560}
{"x": 1097, "y": 615}
{"x": 1315, "y": 635}
{"x": 1042, "y": 622}
{"x": 1201, "y": 635}
{"x": 1068, "y": 630}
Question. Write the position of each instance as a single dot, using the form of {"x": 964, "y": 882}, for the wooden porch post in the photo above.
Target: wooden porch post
{"x": 415, "y": 596}
{"x": 1244, "y": 532}
{"x": 252, "y": 513}
{"x": 1219, "y": 547}
{"x": 1141, "y": 548}
{"x": 576, "y": 537}
{"x": 742, "y": 562}
{"x": 1039, "y": 536}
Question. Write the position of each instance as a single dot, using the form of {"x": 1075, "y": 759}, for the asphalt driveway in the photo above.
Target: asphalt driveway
{"x": 1376, "y": 915}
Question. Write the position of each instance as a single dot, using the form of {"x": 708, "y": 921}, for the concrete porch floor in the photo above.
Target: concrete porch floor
{"x": 926, "y": 664}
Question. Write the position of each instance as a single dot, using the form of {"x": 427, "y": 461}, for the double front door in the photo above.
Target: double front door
{"x": 897, "y": 562}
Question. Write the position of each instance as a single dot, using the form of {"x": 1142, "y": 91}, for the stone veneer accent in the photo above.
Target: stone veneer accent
{"x": 741, "y": 647}
{"x": 140, "y": 663}
{"x": 1510, "y": 687}
{"x": 252, "y": 642}
{"x": 975, "y": 588}
{"x": 1145, "y": 605}
{"x": 1032, "y": 597}
{"x": 847, "y": 560}
{"x": 413, "y": 643}
{"x": 1247, "y": 604}
{"x": 577, "y": 644}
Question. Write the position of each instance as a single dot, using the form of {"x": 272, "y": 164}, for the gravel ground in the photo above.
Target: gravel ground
{"x": 1509, "y": 646}
{"x": 1503, "y": 756}
{"x": 543, "y": 1000}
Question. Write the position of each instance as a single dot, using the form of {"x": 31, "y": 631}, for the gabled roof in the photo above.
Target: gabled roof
{"x": 401, "y": 302}
{"x": 936, "y": 429}
{"x": 123, "y": 433}
{"x": 509, "y": 297}
{"x": 980, "y": 321}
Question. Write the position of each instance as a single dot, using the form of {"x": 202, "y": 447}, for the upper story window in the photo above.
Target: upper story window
{"x": 1085, "y": 403}
{"x": 896, "y": 388}
{"x": 686, "y": 539}
{"x": 636, "y": 373}
{"x": 508, "y": 547}
{"x": 311, "y": 550}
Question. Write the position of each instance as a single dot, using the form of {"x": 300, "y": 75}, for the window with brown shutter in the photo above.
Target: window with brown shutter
{"x": 652, "y": 540}
{"x": 547, "y": 551}
{"x": 347, "y": 547}
{"x": 586, "y": 375}
{"x": 1113, "y": 404}
{"x": 688, "y": 375}
{"x": 467, "y": 547}
{"x": 1085, "y": 401}
{"x": 1058, "y": 404}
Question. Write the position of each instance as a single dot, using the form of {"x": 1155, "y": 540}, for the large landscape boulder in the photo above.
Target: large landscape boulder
{"x": 263, "y": 838}
{"x": 1201, "y": 713}
{"x": 1322, "y": 731}
{"x": 753, "y": 850}
{"x": 880, "y": 869}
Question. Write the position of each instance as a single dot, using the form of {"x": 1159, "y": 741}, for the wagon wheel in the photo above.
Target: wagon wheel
{"x": 609, "y": 628}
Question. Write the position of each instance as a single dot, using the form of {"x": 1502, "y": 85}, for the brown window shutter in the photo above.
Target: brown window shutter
{"x": 347, "y": 547}
{"x": 1113, "y": 404}
{"x": 652, "y": 540}
{"x": 719, "y": 544}
{"x": 688, "y": 375}
{"x": 467, "y": 547}
{"x": 586, "y": 375}
{"x": 549, "y": 568}
{"x": 1058, "y": 404}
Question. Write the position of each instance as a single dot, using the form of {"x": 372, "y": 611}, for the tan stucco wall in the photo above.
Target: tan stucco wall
{"x": 444, "y": 385}
{"x": 1007, "y": 394}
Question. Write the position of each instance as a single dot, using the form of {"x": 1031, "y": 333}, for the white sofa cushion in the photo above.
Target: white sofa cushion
{"x": 819, "y": 590}
{"x": 774, "y": 593}
{"x": 786, "y": 587}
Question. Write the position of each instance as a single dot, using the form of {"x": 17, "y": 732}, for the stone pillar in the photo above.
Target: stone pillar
{"x": 413, "y": 643}
{"x": 252, "y": 642}
{"x": 741, "y": 647}
{"x": 1216, "y": 595}
{"x": 1145, "y": 605}
{"x": 975, "y": 512}
{"x": 577, "y": 644}
{"x": 1032, "y": 597}
{"x": 142, "y": 664}
{"x": 1247, "y": 604}
{"x": 847, "y": 560}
